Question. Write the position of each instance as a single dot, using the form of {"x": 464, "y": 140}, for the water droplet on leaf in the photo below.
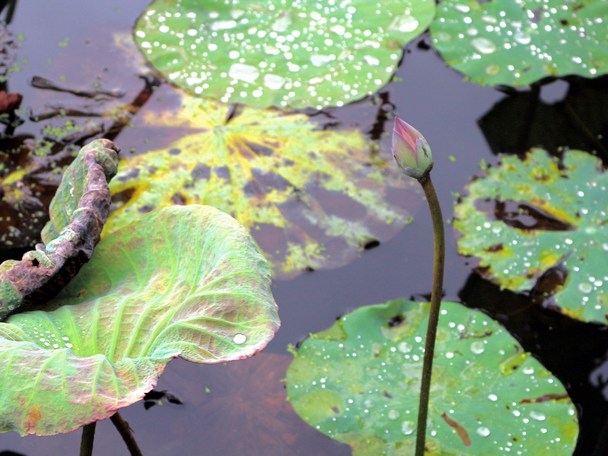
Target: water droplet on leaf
{"x": 239, "y": 339}
{"x": 483, "y": 45}
{"x": 483, "y": 431}
{"x": 408, "y": 427}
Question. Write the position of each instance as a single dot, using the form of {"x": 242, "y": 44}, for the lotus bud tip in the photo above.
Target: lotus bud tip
{"x": 411, "y": 150}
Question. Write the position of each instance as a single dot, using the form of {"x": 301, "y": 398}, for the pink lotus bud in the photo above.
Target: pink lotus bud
{"x": 411, "y": 151}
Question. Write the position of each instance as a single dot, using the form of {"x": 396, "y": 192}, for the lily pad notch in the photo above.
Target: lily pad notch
{"x": 358, "y": 383}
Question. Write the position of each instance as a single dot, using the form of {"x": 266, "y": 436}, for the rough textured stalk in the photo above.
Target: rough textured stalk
{"x": 127, "y": 434}
{"x": 86, "y": 442}
{"x": 436, "y": 294}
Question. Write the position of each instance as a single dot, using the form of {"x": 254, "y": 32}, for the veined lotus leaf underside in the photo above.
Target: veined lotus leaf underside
{"x": 518, "y": 42}
{"x": 269, "y": 53}
{"x": 180, "y": 281}
{"x": 358, "y": 382}
{"x": 77, "y": 215}
{"x": 541, "y": 225}
{"x": 311, "y": 198}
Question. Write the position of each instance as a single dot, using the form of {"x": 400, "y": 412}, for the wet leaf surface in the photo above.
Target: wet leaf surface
{"x": 77, "y": 215}
{"x": 540, "y": 225}
{"x": 517, "y": 43}
{"x": 266, "y": 54}
{"x": 311, "y": 198}
{"x": 181, "y": 281}
{"x": 358, "y": 382}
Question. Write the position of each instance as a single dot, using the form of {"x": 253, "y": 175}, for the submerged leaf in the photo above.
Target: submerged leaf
{"x": 181, "y": 281}
{"x": 310, "y": 198}
{"x": 267, "y": 53}
{"x": 518, "y": 42}
{"x": 542, "y": 225}
{"x": 77, "y": 215}
{"x": 241, "y": 411}
{"x": 359, "y": 381}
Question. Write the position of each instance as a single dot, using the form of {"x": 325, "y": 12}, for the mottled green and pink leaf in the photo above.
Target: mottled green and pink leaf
{"x": 181, "y": 281}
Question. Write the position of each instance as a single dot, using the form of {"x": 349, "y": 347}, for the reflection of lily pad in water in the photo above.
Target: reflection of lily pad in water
{"x": 234, "y": 409}
{"x": 359, "y": 381}
{"x": 182, "y": 281}
{"x": 311, "y": 198}
{"x": 542, "y": 225}
{"x": 269, "y": 53}
{"x": 579, "y": 121}
{"x": 516, "y": 43}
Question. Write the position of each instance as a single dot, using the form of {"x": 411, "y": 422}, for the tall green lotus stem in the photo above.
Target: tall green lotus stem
{"x": 413, "y": 155}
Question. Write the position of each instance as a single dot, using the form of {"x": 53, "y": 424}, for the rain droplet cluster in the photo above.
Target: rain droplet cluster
{"x": 517, "y": 42}
{"x": 280, "y": 53}
{"x": 360, "y": 380}
{"x": 573, "y": 192}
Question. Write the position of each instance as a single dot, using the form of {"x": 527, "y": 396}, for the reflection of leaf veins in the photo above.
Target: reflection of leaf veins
{"x": 311, "y": 198}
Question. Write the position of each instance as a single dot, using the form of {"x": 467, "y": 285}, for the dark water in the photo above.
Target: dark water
{"x": 239, "y": 408}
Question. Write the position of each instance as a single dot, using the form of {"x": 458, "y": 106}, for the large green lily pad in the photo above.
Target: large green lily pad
{"x": 77, "y": 215}
{"x": 516, "y": 43}
{"x": 181, "y": 281}
{"x": 540, "y": 224}
{"x": 311, "y": 198}
{"x": 358, "y": 382}
{"x": 269, "y": 53}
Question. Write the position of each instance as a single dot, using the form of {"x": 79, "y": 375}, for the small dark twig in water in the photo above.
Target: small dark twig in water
{"x": 127, "y": 434}
{"x": 46, "y": 84}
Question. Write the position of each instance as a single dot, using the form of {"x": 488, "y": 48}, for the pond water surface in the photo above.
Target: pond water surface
{"x": 239, "y": 408}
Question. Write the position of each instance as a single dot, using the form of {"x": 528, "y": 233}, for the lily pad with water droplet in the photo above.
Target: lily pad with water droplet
{"x": 311, "y": 198}
{"x": 78, "y": 212}
{"x": 267, "y": 53}
{"x": 359, "y": 381}
{"x": 180, "y": 281}
{"x": 517, "y": 43}
{"x": 541, "y": 225}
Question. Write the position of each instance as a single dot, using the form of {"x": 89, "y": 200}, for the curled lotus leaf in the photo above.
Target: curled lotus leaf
{"x": 267, "y": 53}
{"x": 541, "y": 225}
{"x": 358, "y": 382}
{"x": 311, "y": 198}
{"x": 180, "y": 281}
{"x": 77, "y": 215}
{"x": 518, "y": 42}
